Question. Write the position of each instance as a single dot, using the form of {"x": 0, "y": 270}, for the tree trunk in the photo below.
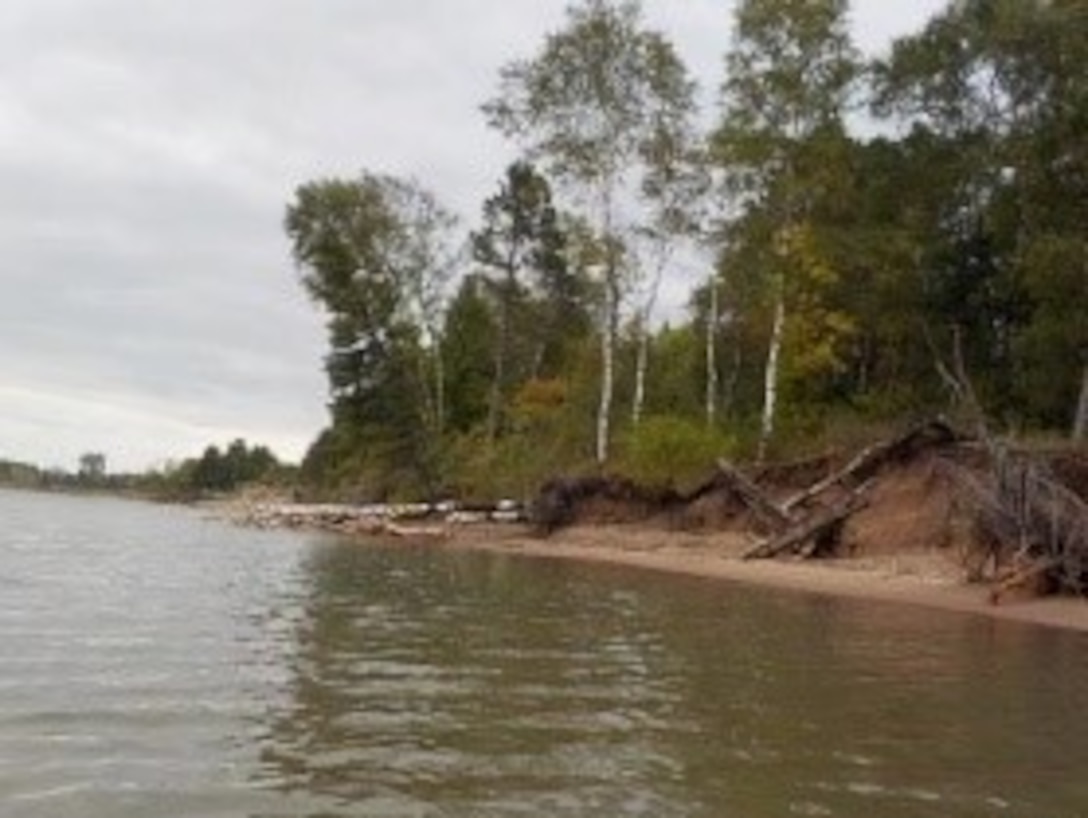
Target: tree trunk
{"x": 608, "y": 355}
{"x": 711, "y": 354}
{"x": 1080, "y": 422}
{"x": 609, "y": 324}
{"x": 494, "y": 403}
{"x": 770, "y": 383}
{"x": 641, "y": 363}
{"x": 439, "y": 391}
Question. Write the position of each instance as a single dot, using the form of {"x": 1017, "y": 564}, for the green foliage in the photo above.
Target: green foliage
{"x": 855, "y": 261}
{"x": 19, "y": 475}
{"x": 376, "y": 254}
{"x": 674, "y": 450}
{"x": 545, "y": 438}
{"x": 92, "y": 467}
{"x": 468, "y": 344}
{"x": 216, "y": 471}
{"x": 994, "y": 80}
{"x": 607, "y": 106}
{"x": 600, "y": 94}
{"x": 523, "y": 252}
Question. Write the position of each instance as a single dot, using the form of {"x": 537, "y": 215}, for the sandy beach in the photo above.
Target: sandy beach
{"x": 931, "y": 580}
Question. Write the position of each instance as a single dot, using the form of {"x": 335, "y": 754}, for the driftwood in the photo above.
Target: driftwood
{"x": 1032, "y": 575}
{"x": 1030, "y": 526}
{"x": 808, "y": 524}
{"x": 414, "y": 520}
{"x": 1031, "y": 529}
{"x": 868, "y": 462}
{"x": 754, "y": 498}
{"x": 816, "y": 534}
{"x": 811, "y": 524}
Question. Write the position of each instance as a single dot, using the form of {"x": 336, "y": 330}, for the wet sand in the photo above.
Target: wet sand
{"x": 929, "y": 580}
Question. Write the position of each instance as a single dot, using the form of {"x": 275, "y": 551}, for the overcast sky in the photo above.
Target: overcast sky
{"x": 148, "y": 148}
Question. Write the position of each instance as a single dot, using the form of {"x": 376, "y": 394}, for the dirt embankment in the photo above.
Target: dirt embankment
{"x": 929, "y": 508}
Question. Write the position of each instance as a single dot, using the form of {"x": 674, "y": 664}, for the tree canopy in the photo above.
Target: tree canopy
{"x": 846, "y": 268}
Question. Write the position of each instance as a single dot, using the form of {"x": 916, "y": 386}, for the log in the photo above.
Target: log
{"x": 760, "y": 504}
{"x": 1027, "y": 519}
{"x": 808, "y": 536}
{"x": 872, "y": 458}
{"x": 1034, "y": 571}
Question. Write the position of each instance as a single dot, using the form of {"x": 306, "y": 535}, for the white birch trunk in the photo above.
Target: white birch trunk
{"x": 608, "y": 354}
{"x": 1080, "y": 422}
{"x": 609, "y": 323}
{"x": 770, "y": 383}
{"x": 711, "y": 355}
{"x": 440, "y": 390}
{"x": 641, "y": 363}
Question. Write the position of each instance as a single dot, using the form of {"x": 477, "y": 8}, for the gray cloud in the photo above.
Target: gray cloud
{"x": 148, "y": 305}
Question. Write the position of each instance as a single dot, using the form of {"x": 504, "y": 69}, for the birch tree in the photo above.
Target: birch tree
{"x": 789, "y": 73}
{"x": 589, "y": 105}
{"x": 674, "y": 190}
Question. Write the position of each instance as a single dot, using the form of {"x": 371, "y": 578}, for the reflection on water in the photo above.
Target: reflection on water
{"x": 461, "y": 683}
{"x": 154, "y": 664}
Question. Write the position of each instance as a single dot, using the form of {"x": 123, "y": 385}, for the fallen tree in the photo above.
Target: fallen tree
{"x": 817, "y": 534}
{"x": 807, "y": 524}
{"x": 1031, "y": 529}
{"x": 815, "y": 516}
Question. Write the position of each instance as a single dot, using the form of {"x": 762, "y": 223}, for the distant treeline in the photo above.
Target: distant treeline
{"x": 216, "y": 472}
{"x": 840, "y": 279}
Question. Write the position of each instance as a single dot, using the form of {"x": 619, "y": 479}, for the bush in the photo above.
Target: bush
{"x": 672, "y": 450}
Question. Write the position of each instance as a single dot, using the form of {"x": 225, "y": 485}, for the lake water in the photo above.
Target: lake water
{"x": 153, "y": 663}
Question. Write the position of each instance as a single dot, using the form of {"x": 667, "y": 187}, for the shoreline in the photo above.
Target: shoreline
{"x": 904, "y": 579}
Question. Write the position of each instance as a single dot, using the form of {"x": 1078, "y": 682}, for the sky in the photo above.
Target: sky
{"x": 148, "y": 149}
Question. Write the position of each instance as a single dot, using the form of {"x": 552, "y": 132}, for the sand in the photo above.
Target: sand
{"x": 932, "y": 579}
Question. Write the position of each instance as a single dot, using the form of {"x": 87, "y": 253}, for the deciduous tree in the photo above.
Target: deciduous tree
{"x": 376, "y": 253}
{"x": 790, "y": 71}
{"x": 591, "y": 105}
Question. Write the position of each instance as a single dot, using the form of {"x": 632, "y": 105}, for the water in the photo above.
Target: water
{"x": 156, "y": 664}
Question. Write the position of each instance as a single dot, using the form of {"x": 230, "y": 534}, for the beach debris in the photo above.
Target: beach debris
{"x": 1031, "y": 528}
{"x": 806, "y": 524}
{"x": 868, "y": 462}
{"x": 766, "y": 512}
{"x": 816, "y": 534}
{"x": 407, "y": 520}
{"x": 813, "y": 518}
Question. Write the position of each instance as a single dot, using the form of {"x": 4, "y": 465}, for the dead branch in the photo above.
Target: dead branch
{"x": 817, "y": 533}
{"x": 933, "y": 433}
{"x": 754, "y": 498}
{"x": 1027, "y": 576}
